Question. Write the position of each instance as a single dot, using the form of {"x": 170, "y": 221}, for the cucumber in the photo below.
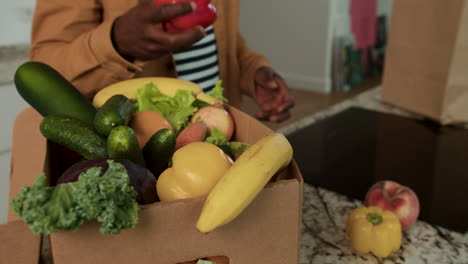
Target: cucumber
{"x": 122, "y": 143}
{"x": 117, "y": 111}
{"x": 158, "y": 151}
{"x": 228, "y": 151}
{"x": 75, "y": 135}
{"x": 49, "y": 93}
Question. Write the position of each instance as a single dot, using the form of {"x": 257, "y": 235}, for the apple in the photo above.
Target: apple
{"x": 216, "y": 116}
{"x": 397, "y": 198}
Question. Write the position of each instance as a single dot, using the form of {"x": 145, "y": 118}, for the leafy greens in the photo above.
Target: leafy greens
{"x": 219, "y": 139}
{"x": 176, "y": 110}
{"x": 108, "y": 198}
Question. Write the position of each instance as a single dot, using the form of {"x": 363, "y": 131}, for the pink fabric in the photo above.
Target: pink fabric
{"x": 364, "y": 22}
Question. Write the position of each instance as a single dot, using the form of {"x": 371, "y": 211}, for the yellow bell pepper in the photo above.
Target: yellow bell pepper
{"x": 372, "y": 229}
{"x": 196, "y": 168}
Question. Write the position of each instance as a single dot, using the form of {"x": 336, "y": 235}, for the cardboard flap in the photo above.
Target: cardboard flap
{"x": 249, "y": 130}
{"x": 19, "y": 245}
{"x": 27, "y": 138}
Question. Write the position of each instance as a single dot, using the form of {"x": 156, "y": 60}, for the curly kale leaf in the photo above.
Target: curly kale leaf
{"x": 108, "y": 198}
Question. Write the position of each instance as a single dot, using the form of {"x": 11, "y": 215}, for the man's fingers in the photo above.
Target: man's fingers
{"x": 180, "y": 40}
{"x": 266, "y": 77}
{"x": 262, "y": 115}
{"x": 166, "y": 12}
{"x": 288, "y": 104}
{"x": 279, "y": 117}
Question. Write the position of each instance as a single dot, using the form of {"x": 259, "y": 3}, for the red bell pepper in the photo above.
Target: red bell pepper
{"x": 204, "y": 16}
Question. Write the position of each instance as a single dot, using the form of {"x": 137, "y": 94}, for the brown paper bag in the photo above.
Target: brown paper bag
{"x": 426, "y": 68}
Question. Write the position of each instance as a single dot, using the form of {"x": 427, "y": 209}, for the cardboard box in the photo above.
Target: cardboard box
{"x": 18, "y": 245}
{"x": 425, "y": 67}
{"x": 268, "y": 231}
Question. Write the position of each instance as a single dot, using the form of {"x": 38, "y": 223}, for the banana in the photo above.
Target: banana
{"x": 244, "y": 180}
{"x": 165, "y": 85}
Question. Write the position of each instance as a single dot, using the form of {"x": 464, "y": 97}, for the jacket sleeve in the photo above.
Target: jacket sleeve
{"x": 74, "y": 38}
{"x": 250, "y": 62}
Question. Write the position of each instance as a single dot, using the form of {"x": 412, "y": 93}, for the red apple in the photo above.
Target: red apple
{"x": 399, "y": 199}
{"x": 218, "y": 117}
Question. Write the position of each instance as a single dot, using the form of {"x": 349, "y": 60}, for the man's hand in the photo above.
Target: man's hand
{"x": 138, "y": 34}
{"x": 272, "y": 96}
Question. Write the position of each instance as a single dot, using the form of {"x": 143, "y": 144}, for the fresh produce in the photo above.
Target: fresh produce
{"x": 117, "y": 111}
{"x": 244, "y": 180}
{"x": 232, "y": 148}
{"x": 372, "y": 229}
{"x": 166, "y": 85}
{"x": 176, "y": 110}
{"x": 122, "y": 143}
{"x": 217, "y": 92}
{"x": 141, "y": 179}
{"x": 146, "y": 123}
{"x": 106, "y": 197}
{"x": 204, "y": 15}
{"x": 50, "y": 93}
{"x": 75, "y": 135}
{"x": 158, "y": 151}
{"x": 216, "y": 117}
{"x": 399, "y": 199}
{"x": 195, "y": 132}
{"x": 196, "y": 168}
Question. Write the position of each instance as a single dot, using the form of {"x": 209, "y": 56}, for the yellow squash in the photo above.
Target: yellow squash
{"x": 372, "y": 229}
{"x": 165, "y": 85}
{"x": 244, "y": 180}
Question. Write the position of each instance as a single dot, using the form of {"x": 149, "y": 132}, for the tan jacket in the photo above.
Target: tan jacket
{"x": 74, "y": 38}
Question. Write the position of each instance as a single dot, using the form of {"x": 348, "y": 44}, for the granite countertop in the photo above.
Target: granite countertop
{"x": 324, "y": 213}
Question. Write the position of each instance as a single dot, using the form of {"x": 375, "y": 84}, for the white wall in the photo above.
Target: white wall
{"x": 15, "y": 23}
{"x": 294, "y": 35}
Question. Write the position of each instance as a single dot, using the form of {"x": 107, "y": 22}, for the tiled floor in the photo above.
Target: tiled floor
{"x": 307, "y": 103}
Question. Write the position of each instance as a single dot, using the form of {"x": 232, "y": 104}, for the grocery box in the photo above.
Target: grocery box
{"x": 19, "y": 245}
{"x": 268, "y": 231}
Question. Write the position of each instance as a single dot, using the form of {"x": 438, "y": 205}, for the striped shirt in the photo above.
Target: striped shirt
{"x": 199, "y": 63}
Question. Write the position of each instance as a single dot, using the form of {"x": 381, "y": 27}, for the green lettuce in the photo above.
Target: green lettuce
{"x": 219, "y": 139}
{"x": 218, "y": 90}
{"x": 176, "y": 110}
{"x": 108, "y": 198}
{"x": 216, "y": 137}
{"x": 238, "y": 147}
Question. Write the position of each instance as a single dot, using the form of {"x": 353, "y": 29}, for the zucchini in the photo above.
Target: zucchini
{"x": 122, "y": 143}
{"x": 117, "y": 111}
{"x": 49, "y": 93}
{"x": 158, "y": 151}
{"x": 75, "y": 135}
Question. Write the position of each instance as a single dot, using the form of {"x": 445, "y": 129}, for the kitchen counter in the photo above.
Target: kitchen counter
{"x": 324, "y": 213}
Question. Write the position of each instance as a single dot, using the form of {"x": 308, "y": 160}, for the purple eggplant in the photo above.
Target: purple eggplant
{"x": 141, "y": 179}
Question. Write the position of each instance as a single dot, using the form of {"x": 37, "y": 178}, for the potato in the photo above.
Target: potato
{"x": 146, "y": 123}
